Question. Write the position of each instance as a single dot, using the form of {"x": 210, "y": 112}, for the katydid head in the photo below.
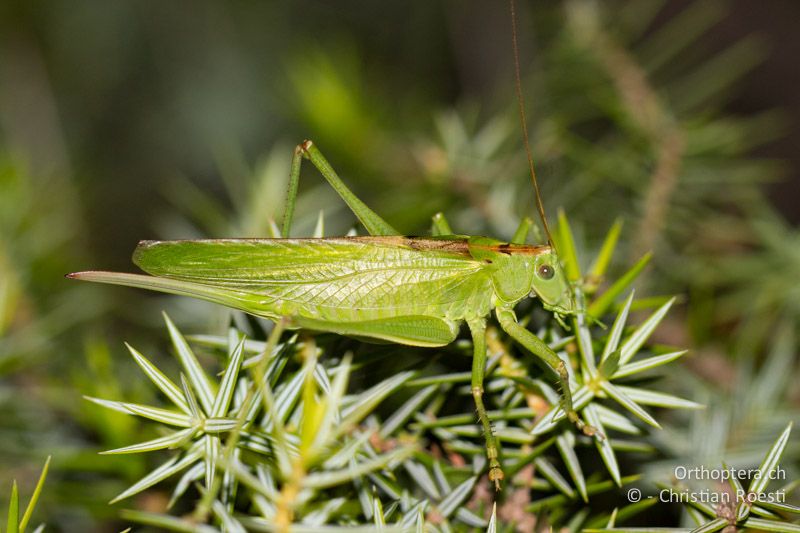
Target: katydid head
{"x": 550, "y": 284}
{"x": 522, "y": 270}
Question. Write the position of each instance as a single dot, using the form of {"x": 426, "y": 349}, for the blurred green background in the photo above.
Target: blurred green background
{"x": 125, "y": 120}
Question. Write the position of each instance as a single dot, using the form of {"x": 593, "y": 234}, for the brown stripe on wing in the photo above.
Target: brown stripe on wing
{"x": 515, "y": 249}
{"x": 457, "y": 245}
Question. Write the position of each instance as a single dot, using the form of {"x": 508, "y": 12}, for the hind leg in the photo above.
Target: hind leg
{"x": 375, "y": 224}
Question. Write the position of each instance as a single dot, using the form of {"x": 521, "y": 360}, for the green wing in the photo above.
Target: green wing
{"x": 355, "y": 279}
{"x": 251, "y": 263}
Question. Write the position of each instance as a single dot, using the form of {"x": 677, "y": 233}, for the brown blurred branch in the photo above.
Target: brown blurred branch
{"x": 646, "y": 112}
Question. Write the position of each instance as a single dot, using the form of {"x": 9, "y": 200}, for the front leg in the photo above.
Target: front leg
{"x": 541, "y": 350}
{"x": 477, "y": 328}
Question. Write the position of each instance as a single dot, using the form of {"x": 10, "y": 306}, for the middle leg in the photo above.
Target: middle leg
{"x": 477, "y": 328}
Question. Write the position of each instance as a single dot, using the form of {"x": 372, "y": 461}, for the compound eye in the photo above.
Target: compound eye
{"x": 546, "y": 272}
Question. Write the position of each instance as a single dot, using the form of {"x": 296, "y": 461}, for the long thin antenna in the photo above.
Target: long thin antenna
{"x": 521, "y": 102}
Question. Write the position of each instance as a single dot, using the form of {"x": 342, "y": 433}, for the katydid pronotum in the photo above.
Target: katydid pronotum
{"x": 408, "y": 290}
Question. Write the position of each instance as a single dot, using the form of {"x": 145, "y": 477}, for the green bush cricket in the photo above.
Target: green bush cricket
{"x": 407, "y": 290}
